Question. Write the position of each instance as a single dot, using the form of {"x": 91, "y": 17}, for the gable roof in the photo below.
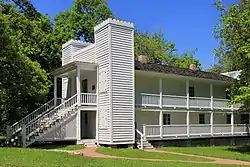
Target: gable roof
{"x": 181, "y": 71}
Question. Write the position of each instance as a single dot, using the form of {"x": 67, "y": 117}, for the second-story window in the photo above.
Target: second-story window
{"x": 191, "y": 91}
{"x": 228, "y": 116}
{"x": 166, "y": 119}
{"x": 201, "y": 118}
{"x": 244, "y": 118}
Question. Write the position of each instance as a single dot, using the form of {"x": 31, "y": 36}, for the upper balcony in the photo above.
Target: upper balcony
{"x": 184, "y": 102}
{"x": 160, "y": 90}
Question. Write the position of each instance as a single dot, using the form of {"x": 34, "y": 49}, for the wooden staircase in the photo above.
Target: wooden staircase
{"x": 142, "y": 143}
{"x": 23, "y": 133}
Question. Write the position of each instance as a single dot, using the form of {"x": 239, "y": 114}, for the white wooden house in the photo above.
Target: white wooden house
{"x": 109, "y": 98}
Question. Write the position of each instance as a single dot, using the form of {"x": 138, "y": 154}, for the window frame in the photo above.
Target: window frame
{"x": 166, "y": 119}
{"x": 202, "y": 121}
{"x": 191, "y": 91}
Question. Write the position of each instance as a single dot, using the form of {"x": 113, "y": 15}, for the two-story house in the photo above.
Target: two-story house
{"x": 108, "y": 98}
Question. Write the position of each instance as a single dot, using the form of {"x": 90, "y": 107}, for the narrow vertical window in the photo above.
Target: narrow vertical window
{"x": 228, "y": 117}
{"x": 191, "y": 91}
{"x": 244, "y": 118}
{"x": 201, "y": 118}
{"x": 166, "y": 119}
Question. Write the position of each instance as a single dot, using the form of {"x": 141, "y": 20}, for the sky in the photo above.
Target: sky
{"x": 187, "y": 23}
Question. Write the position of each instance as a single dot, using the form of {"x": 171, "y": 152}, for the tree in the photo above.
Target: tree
{"x": 232, "y": 31}
{"x": 23, "y": 82}
{"x": 185, "y": 59}
{"x": 160, "y": 51}
{"x": 154, "y": 46}
{"x": 78, "y": 22}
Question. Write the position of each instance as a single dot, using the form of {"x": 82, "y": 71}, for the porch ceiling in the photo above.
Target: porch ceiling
{"x": 68, "y": 68}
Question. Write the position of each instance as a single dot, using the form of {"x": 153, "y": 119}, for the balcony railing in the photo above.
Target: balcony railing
{"x": 194, "y": 130}
{"x": 88, "y": 98}
{"x": 155, "y": 100}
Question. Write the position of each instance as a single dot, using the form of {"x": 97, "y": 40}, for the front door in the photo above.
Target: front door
{"x": 88, "y": 124}
{"x": 85, "y": 86}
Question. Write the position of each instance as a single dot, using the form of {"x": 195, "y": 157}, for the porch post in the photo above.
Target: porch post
{"x": 97, "y": 106}
{"x": 187, "y": 92}
{"x": 160, "y": 105}
{"x": 212, "y": 123}
{"x": 188, "y": 123}
{"x": 161, "y": 123}
{"x": 160, "y": 90}
{"x": 232, "y": 123}
{"x": 78, "y": 92}
{"x": 55, "y": 91}
{"x": 212, "y": 96}
{"x": 78, "y": 87}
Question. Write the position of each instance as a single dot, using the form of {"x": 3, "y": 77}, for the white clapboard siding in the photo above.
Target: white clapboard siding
{"x": 102, "y": 58}
{"x": 86, "y": 54}
{"x": 122, "y": 68}
{"x": 65, "y": 131}
{"x": 66, "y": 54}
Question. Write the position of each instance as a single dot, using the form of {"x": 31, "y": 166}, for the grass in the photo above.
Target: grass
{"x": 18, "y": 157}
{"x": 134, "y": 153}
{"x": 62, "y": 147}
{"x": 2, "y": 137}
{"x": 235, "y": 153}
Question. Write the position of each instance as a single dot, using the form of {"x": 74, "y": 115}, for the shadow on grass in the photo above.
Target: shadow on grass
{"x": 240, "y": 149}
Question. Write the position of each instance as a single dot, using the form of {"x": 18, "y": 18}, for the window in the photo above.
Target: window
{"x": 244, "y": 119}
{"x": 166, "y": 119}
{"x": 228, "y": 117}
{"x": 191, "y": 91}
{"x": 201, "y": 118}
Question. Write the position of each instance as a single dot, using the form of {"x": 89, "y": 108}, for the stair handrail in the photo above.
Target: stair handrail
{"x": 142, "y": 137}
{"x": 45, "y": 107}
{"x": 33, "y": 126}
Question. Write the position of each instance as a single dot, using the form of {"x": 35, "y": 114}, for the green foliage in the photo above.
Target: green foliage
{"x": 78, "y": 22}
{"x": 232, "y": 31}
{"x": 185, "y": 60}
{"x": 23, "y": 82}
{"x": 160, "y": 51}
{"x": 154, "y": 46}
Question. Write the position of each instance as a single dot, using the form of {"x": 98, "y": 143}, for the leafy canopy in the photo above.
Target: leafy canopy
{"x": 232, "y": 31}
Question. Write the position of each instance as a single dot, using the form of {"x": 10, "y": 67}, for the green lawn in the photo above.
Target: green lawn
{"x": 62, "y": 147}
{"x": 2, "y": 137}
{"x": 134, "y": 153}
{"x": 17, "y": 157}
{"x": 236, "y": 153}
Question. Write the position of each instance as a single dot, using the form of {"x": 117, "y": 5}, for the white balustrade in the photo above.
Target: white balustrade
{"x": 241, "y": 128}
{"x": 222, "y": 129}
{"x": 88, "y": 98}
{"x": 174, "y": 101}
{"x": 174, "y": 130}
{"x": 151, "y": 130}
{"x": 150, "y": 99}
{"x": 199, "y": 102}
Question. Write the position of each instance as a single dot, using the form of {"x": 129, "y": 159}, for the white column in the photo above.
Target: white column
{"x": 160, "y": 90}
{"x": 187, "y": 92}
{"x": 160, "y": 105}
{"x": 232, "y": 123}
{"x": 212, "y": 96}
{"x": 212, "y": 123}
{"x": 97, "y": 106}
{"x": 188, "y": 123}
{"x": 161, "y": 123}
{"x": 78, "y": 92}
{"x": 78, "y": 87}
{"x": 55, "y": 91}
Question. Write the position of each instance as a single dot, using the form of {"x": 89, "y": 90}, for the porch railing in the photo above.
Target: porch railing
{"x": 194, "y": 130}
{"x": 155, "y": 100}
{"x": 88, "y": 98}
{"x": 35, "y": 114}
